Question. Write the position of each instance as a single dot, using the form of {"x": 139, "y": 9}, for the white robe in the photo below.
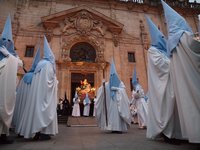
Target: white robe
{"x": 185, "y": 70}
{"x": 86, "y": 109}
{"x": 142, "y": 108}
{"x": 118, "y": 113}
{"x": 94, "y": 107}
{"x": 40, "y": 111}
{"x": 162, "y": 110}
{"x": 23, "y": 91}
{"x": 8, "y": 76}
{"x": 76, "y": 108}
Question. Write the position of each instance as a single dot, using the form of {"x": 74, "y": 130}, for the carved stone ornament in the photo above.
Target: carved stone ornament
{"x": 115, "y": 39}
{"x": 84, "y": 23}
{"x": 97, "y": 43}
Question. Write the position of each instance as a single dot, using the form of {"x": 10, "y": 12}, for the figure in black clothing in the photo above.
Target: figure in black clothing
{"x": 66, "y": 107}
{"x": 60, "y": 107}
{"x": 25, "y": 71}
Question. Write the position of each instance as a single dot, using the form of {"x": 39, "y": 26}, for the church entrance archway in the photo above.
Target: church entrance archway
{"x": 76, "y": 79}
{"x": 84, "y": 54}
{"x": 82, "y": 51}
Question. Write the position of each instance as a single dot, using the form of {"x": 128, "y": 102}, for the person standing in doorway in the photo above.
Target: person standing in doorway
{"x": 76, "y": 106}
{"x": 86, "y": 103}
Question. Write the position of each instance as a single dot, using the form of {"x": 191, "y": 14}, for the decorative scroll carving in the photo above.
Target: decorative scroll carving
{"x": 69, "y": 23}
{"x": 98, "y": 26}
{"x": 115, "y": 39}
{"x": 84, "y": 24}
{"x": 65, "y": 54}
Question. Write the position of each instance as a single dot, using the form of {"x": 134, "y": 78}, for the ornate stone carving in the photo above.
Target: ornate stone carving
{"x": 98, "y": 44}
{"x": 65, "y": 55}
{"x": 115, "y": 39}
{"x": 84, "y": 24}
{"x": 69, "y": 23}
{"x": 98, "y": 26}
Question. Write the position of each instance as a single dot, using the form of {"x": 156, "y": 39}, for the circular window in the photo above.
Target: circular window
{"x": 82, "y": 52}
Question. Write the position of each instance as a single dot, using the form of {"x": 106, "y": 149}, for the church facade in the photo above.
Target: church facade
{"x": 85, "y": 35}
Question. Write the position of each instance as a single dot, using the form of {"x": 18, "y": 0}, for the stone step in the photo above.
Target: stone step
{"x": 62, "y": 119}
{"x": 82, "y": 121}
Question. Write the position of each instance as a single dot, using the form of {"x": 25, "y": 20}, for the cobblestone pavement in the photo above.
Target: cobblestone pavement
{"x": 92, "y": 138}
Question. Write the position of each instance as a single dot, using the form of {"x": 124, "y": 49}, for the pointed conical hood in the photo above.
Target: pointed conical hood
{"x": 157, "y": 38}
{"x": 27, "y": 78}
{"x": 114, "y": 79}
{"x": 6, "y": 37}
{"x": 134, "y": 78}
{"x": 176, "y": 26}
{"x": 7, "y": 31}
{"x": 36, "y": 59}
{"x": 48, "y": 54}
{"x": 87, "y": 99}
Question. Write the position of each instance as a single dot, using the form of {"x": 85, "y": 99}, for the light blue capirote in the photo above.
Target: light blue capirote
{"x": 134, "y": 78}
{"x": 87, "y": 100}
{"x": 6, "y": 39}
{"x": 27, "y": 78}
{"x": 135, "y": 82}
{"x": 176, "y": 26}
{"x": 157, "y": 38}
{"x": 114, "y": 79}
{"x": 48, "y": 56}
{"x": 7, "y": 31}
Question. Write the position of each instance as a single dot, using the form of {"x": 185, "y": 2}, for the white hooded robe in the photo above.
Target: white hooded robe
{"x": 118, "y": 113}
{"x": 40, "y": 113}
{"x": 185, "y": 70}
{"x": 162, "y": 109}
{"x": 8, "y": 76}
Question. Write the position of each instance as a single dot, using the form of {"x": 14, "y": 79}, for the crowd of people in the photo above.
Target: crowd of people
{"x": 172, "y": 110}
{"x": 74, "y": 108}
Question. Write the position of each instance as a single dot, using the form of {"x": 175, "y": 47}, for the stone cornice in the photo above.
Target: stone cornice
{"x": 52, "y": 21}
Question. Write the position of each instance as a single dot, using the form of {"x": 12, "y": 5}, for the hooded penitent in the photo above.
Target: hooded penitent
{"x": 114, "y": 79}
{"x": 176, "y": 26}
{"x": 87, "y": 100}
{"x": 29, "y": 75}
{"x": 184, "y": 73}
{"x": 157, "y": 38}
{"x": 134, "y": 78}
{"x": 6, "y": 39}
{"x": 48, "y": 56}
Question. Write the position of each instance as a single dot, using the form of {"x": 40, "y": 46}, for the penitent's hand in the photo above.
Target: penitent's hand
{"x": 4, "y": 51}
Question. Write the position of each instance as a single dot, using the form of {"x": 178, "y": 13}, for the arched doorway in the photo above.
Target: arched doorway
{"x": 75, "y": 80}
{"x": 86, "y": 54}
{"x": 82, "y": 51}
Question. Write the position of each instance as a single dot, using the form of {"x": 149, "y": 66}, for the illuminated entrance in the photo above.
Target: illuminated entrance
{"x": 77, "y": 83}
